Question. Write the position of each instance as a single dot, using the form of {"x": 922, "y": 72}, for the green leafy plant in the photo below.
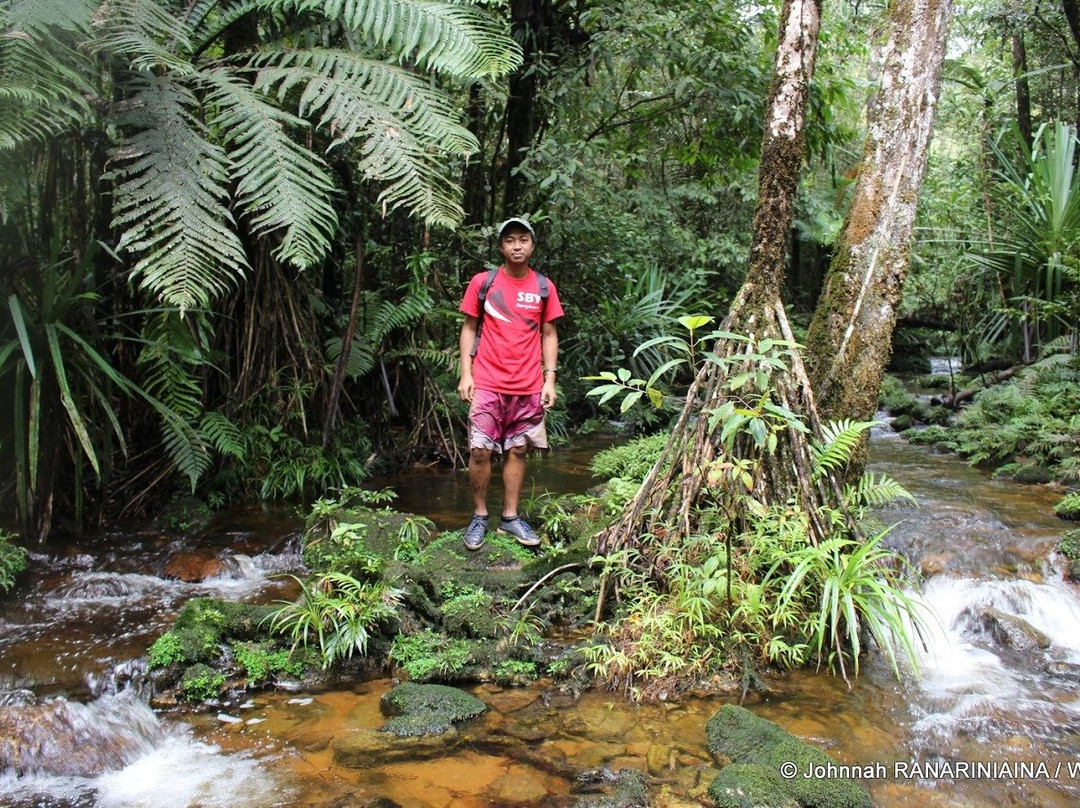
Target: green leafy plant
{"x": 201, "y": 682}
{"x": 12, "y": 560}
{"x": 259, "y": 661}
{"x": 1069, "y": 507}
{"x": 426, "y": 655}
{"x": 165, "y": 650}
{"x": 335, "y": 614}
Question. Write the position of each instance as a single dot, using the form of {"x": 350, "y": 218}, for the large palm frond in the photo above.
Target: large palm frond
{"x": 170, "y": 200}
{"x": 443, "y": 37}
{"x": 404, "y": 128}
{"x": 283, "y": 187}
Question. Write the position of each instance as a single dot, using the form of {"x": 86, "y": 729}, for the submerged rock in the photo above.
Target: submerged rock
{"x": 1013, "y": 633}
{"x": 71, "y": 739}
{"x": 751, "y": 751}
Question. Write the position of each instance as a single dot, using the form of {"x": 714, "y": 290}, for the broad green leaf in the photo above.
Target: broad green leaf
{"x": 24, "y": 337}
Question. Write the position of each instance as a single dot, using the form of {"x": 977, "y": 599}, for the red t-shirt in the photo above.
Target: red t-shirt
{"x": 508, "y": 359}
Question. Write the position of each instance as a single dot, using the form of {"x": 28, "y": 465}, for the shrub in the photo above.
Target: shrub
{"x": 1069, "y": 507}
{"x": 12, "y": 560}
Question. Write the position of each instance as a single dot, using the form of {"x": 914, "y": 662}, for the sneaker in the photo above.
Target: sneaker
{"x": 474, "y": 533}
{"x": 520, "y": 530}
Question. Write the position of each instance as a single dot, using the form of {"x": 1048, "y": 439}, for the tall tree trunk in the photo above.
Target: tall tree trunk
{"x": 1023, "y": 86}
{"x": 850, "y": 338}
{"x": 528, "y": 27}
{"x": 672, "y": 489}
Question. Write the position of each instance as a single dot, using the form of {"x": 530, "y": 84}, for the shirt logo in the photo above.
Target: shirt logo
{"x": 528, "y": 298}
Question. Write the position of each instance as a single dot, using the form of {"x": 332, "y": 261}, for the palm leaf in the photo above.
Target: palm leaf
{"x": 170, "y": 198}
{"x": 283, "y": 188}
{"x": 443, "y": 37}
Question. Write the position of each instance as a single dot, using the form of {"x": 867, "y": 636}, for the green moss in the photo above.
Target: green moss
{"x": 894, "y": 397}
{"x": 1032, "y": 474}
{"x": 1069, "y": 507}
{"x": 470, "y": 613}
{"x": 739, "y": 736}
{"x": 201, "y": 682}
{"x": 742, "y": 784}
{"x": 902, "y": 423}
{"x": 206, "y": 623}
{"x": 937, "y": 436}
{"x": 427, "y": 709}
{"x": 629, "y": 791}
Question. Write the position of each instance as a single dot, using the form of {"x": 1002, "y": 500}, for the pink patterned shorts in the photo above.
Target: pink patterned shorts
{"x": 500, "y": 421}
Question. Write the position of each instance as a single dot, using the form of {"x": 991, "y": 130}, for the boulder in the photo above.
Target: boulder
{"x": 194, "y": 567}
{"x": 734, "y": 735}
{"x": 427, "y": 709}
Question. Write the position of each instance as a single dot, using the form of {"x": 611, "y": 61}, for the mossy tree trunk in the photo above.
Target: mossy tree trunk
{"x": 850, "y": 338}
{"x": 690, "y": 466}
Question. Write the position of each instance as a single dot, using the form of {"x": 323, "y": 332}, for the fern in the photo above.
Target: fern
{"x": 223, "y": 435}
{"x": 170, "y": 198}
{"x": 149, "y": 33}
{"x": 839, "y": 439}
{"x": 282, "y": 186}
{"x": 444, "y": 37}
{"x": 380, "y": 317}
{"x": 874, "y": 492}
{"x": 43, "y": 88}
{"x": 402, "y": 126}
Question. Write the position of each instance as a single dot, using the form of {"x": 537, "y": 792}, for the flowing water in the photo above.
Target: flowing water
{"x": 998, "y": 684}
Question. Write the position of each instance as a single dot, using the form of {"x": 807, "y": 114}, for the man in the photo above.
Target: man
{"x": 508, "y": 352}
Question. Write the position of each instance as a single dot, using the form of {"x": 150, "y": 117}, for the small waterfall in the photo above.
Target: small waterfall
{"x": 1001, "y": 659}
{"x": 115, "y": 752}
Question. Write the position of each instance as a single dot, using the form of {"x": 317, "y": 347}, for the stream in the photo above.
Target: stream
{"x": 73, "y": 633}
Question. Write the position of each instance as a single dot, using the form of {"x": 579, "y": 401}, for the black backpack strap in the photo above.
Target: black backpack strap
{"x": 481, "y": 297}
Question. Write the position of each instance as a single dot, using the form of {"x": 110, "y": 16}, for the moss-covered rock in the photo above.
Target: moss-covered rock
{"x": 205, "y": 623}
{"x": 902, "y": 422}
{"x": 1069, "y": 548}
{"x": 1069, "y": 507}
{"x": 201, "y": 682}
{"x": 427, "y": 709}
{"x": 750, "y": 784}
{"x": 736, "y": 735}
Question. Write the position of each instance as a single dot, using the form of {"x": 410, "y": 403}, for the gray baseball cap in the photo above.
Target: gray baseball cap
{"x": 518, "y": 221}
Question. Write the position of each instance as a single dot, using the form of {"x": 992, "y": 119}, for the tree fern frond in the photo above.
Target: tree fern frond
{"x": 283, "y": 187}
{"x": 207, "y": 19}
{"x": 350, "y": 92}
{"x": 183, "y": 443}
{"x": 361, "y": 355}
{"x": 388, "y": 315}
{"x": 435, "y": 357}
{"x": 43, "y": 88}
{"x": 223, "y": 435}
{"x": 839, "y": 440}
{"x": 170, "y": 198}
{"x": 164, "y": 374}
{"x": 445, "y": 37}
{"x": 404, "y": 129}
{"x": 42, "y": 16}
{"x": 150, "y": 34}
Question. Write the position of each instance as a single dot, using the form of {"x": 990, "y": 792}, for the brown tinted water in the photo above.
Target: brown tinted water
{"x": 76, "y": 625}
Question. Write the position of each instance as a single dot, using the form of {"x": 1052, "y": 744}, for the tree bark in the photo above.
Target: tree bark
{"x": 1023, "y": 87}
{"x": 850, "y": 338}
{"x": 667, "y": 498}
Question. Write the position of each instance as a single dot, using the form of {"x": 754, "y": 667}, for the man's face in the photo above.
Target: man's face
{"x": 516, "y": 245}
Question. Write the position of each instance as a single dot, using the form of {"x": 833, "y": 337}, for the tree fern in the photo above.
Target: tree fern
{"x": 444, "y": 37}
{"x": 379, "y": 318}
{"x": 839, "y": 439}
{"x": 170, "y": 200}
{"x": 282, "y": 186}
{"x": 43, "y": 84}
{"x": 148, "y": 33}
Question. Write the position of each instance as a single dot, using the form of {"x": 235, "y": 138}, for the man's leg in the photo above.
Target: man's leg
{"x": 479, "y": 477}
{"x": 513, "y": 474}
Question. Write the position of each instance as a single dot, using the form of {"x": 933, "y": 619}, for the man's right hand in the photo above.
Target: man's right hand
{"x": 465, "y": 388}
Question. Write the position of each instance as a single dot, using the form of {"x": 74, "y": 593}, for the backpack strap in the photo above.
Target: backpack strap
{"x": 481, "y": 297}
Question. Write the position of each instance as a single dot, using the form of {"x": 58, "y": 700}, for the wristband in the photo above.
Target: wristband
{"x": 550, "y": 370}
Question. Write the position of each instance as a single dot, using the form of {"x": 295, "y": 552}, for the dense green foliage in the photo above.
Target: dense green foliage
{"x": 12, "y": 560}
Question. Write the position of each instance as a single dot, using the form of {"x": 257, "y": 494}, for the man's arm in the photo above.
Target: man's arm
{"x": 549, "y": 350}
{"x": 465, "y": 343}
